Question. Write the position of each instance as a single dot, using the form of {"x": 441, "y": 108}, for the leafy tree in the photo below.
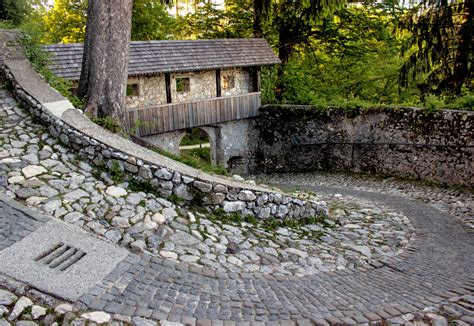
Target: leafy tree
{"x": 65, "y": 22}
{"x": 151, "y": 21}
{"x": 14, "y": 11}
{"x": 441, "y": 46}
{"x": 210, "y": 22}
{"x": 352, "y": 56}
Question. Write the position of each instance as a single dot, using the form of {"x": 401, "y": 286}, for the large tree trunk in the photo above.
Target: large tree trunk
{"x": 257, "y": 18}
{"x": 105, "y": 60}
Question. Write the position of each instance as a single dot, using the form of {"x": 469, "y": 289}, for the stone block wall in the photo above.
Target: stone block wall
{"x": 404, "y": 142}
{"x": 243, "y": 82}
{"x": 152, "y": 91}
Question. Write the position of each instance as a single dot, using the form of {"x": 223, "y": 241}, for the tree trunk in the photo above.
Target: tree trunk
{"x": 257, "y": 18}
{"x": 285, "y": 48}
{"x": 105, "y": 60}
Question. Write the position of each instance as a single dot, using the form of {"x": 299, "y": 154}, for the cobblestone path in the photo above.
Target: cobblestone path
{"x": 15, "y": 222}
{"x": 438, "y": 265}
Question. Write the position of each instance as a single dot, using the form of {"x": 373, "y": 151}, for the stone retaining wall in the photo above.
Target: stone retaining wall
{"x": 405, "y": 142}
{"x": 168, "y": 176}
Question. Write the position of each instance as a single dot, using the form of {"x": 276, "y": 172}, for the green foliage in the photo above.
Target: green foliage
{"x": 151, "y": 21}
{"x": 440, "y": 46}
{"x": 39, "y": 59}
{"x": 193, "y": 162}
{"x": 14, "y": 12}
{"x": 116, "y": 172}
{"x": 108, "y": 123}
{"x": 270, "y": 224}
{"x": 195, "y": 137}
{"x": 210, "y": 22}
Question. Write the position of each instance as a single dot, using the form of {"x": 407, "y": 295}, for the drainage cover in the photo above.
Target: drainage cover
{"x": 61, "y": 256}
{"x": 60, "y": 259}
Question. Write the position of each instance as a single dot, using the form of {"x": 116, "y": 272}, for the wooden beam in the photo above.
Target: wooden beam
{"x": 168, "y": 87}
{"x": 218, "y": 83}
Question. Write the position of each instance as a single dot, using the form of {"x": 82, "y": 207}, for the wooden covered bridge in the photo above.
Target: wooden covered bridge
{"x": 176, "y": 85}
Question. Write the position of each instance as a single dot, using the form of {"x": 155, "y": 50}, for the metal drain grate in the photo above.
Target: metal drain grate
{"x": 60, "y": 256}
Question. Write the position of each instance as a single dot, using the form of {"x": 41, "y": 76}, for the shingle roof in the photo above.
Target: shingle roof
{"x": 154, "y": 57}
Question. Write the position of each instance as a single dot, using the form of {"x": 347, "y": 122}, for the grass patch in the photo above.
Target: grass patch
{"x": 193, "y": 162}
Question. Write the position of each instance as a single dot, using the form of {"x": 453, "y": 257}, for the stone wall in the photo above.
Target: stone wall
{"x": 405, "y": 142}
{"x": 152, "y": 89}
{"x": 243, "y": 82}
{"x": 101, "y": 147}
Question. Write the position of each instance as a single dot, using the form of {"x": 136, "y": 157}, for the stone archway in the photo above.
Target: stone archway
{"x": 211, "y": 136}
{"x": 170, "y": 141}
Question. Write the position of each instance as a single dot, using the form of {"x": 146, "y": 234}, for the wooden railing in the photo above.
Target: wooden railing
{"x": 176, "y": 116}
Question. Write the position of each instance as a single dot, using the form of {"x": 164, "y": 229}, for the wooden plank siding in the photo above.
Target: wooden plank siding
{"x": 176, "y": 116}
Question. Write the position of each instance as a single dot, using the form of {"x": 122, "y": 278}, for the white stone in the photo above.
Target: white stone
{"x": 98, "y": 317}
{"x": 247, "y": 195}
{"x": 148, "y": 224}
{"x": 237, "y": 177}
{"x": 169, "y": 213}
{"x": 20, "y": 305}
{"x": 191, "y": 217}
{"x": 38, "y": 311}
{"x": 233, "y": 206}
{"x": 63, "y": 308}
{"x": 35, "y": 200}
{"x": 116, "y": 191}
{"x": 121, "y": 222}
{"x": 168, "y": 254}
{"x": 16, "y": 179}
{"x": 33, "y": 170}
{"x": 158, "y": 218}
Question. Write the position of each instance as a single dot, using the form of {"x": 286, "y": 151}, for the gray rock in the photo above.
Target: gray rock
{"x": 145, "y": 172}
{"x": 233, "y": 206}
{"x": 203, "y": 186}
{"x": 138, "y": 246}
{"x": 75, "y": 195}
{"x": 183, "y": 192}
{"x": 164, "y": 174}
{"x": 73, "y": 217}
{"x": 232, "y": 248}
{"x": 20, "y": 305}
{"x": 7, "y": 298}
{"x": 140, "y": 321}
{"x": 184, "y": 239}
{"x": 247, "y": 195}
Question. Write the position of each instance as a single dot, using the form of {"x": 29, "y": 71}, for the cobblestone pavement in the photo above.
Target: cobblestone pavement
{"x": 437, "y": 266}
{"x": 15, "y": 223}
{"x": 431, "y": 271}
{"x": 435, "y": 275}
{"x": 37, "y": 169}
{"x": 457, "y": 202}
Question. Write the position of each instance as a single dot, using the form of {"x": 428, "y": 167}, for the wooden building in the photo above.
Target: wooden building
{"x": 175, "y": 85}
